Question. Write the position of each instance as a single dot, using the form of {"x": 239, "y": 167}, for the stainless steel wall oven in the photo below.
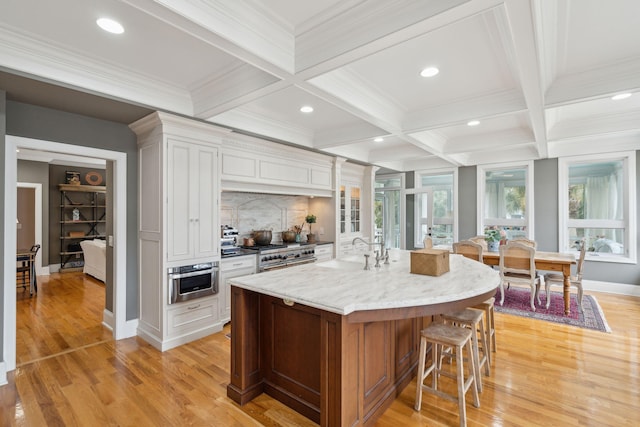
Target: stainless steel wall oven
{"x": 193, "y": 281}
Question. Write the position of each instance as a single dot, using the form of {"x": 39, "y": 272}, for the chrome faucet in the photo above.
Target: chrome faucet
{"x": 380, "y": 254}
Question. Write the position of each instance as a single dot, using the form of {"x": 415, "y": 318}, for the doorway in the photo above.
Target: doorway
{"x": 29, "y": 218}
{"x": 117, "y": 319}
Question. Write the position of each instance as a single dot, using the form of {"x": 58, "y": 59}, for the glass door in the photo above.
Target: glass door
{"x": 388, "y": 224}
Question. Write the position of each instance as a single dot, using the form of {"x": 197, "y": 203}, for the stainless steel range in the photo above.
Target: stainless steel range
{"x": 273, "y": 257}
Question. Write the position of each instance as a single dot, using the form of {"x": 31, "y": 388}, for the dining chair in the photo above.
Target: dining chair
{"x": 517, "y": 265}
{"x": 28, "y": 267}
{"x": 469, "y": 249}
{"x": 525, "y": 241}
{"x": 558, "y": 279}
{"x": 481, "y": 241}
{"x": 474, "y": 251}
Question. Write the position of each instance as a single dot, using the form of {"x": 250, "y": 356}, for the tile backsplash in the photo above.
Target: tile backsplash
{"x": 253, "y": 211}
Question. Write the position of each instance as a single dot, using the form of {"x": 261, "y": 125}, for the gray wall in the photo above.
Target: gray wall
{"x": 546, "y": 218}
{"x": 467, "y": 203}
{"x": 52, "y": 125}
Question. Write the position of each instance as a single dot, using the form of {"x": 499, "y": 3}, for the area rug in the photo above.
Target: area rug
{"x": 516, "y": 302}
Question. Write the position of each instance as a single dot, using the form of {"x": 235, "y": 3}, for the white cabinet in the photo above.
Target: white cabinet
{"x": 255, "y": 165}
{"x": 229, "y": 268}
{"x": 350, "y": 202}
{"x": 179, "y": 179}
{"x": 354, "y": 207}
{"x": 193, "y": 201}
{"x": 324, "y": 252}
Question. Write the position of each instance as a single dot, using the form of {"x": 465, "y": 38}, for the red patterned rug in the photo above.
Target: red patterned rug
{"x": 516, "y": 302}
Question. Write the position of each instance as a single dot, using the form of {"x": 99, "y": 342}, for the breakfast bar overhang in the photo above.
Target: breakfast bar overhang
{"x": 338, "y": 343}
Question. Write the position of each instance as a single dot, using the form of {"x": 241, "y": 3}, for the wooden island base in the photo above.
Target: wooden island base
{"x": 336, "y": 370}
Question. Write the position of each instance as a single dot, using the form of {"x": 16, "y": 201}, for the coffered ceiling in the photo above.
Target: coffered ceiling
{"x": 538, "y": 75}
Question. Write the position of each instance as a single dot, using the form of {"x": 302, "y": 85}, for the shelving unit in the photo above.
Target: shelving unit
{"x": 90, "y": 223}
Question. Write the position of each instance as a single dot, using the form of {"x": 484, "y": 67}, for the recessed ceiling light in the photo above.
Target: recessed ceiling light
{"x": 473, "y": 123}
{"x": 378, "y": 139}
{"x": 110, "y": 25}
{"x": 306, "y": 109}
{"x": 429, "y": 72}
{"x": 620, "y": 96}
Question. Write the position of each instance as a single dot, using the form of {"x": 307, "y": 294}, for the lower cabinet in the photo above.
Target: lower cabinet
{"x": 190, "y": 316}
{"x": 229, "y": 268}
{"x": 324, "y": 252}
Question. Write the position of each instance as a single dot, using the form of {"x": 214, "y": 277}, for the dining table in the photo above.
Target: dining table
{"x": 549, "y": 261}
{"x": 28, "y": 257}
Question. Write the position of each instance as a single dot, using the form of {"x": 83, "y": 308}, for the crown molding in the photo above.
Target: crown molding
{"x": 374, "y": 25}
{"x": 597, "y": 124}
{"x": 233, "y": 83}
{"x": 25, "y": 53}
{"x": 359, "y": 98}
{"x": 237, "y": 23}
{"x": 623, "y": 76}
{"x": 595, "y": 144}
{"x": 248, "y": 121}
{"x": 461, "y": 110}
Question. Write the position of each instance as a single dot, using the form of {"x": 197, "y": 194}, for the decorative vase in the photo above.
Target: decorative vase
{"x": 298, "y": 238}
{"x": 494, "y": 246}
{"x": 311, "y": 238}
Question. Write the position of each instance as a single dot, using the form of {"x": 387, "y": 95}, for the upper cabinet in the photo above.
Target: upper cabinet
{"x": 180, "y": 186}
{"x": 354, "y": 206}
{"x": 193, "y": 201}
{"x": 251, "y": 164}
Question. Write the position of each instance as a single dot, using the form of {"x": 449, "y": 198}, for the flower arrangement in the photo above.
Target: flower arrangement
{"x": 492, "y": 235}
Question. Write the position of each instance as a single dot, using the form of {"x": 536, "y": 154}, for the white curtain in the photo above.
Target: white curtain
{"x": 494, "y": 200}
{"x": 602, "y": 201}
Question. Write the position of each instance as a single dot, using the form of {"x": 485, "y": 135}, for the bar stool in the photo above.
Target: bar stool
{"x": 441, "y": 335}
{"x": 489, "y": 327}
{"x": 472, "y": 319}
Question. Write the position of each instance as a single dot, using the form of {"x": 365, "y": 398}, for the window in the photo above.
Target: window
{"x": 388, "y": 210}
{"x": 505, "y": 193}
{"x": 435, "y": 214}
{"x": 597, "y": 197}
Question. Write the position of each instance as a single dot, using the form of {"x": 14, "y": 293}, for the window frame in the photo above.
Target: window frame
{"x": 528, "y": 220}
{"x": 628, "y": 159}
{"x": 418, "y": 188}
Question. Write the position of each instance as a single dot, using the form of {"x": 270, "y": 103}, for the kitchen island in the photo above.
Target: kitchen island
{"x": 338, "y": 343}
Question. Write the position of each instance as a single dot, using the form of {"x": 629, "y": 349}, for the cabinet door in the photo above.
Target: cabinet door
{"x": 205, "y": 187}
{"x": 180, "y": 219}
{"x": 192, "y": 210}
{"x": 230, "y": 268}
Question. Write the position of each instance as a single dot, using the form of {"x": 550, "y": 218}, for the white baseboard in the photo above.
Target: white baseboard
{"x": 611, "y": 288}
{"x": 3, "y": 373}
{"x": 130, "y": 327}
{"x": 107, "y": 319}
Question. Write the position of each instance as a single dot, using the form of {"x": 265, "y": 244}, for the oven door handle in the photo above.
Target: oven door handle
{"x": 192, "y": 273}
{"x": 302, "y": 261}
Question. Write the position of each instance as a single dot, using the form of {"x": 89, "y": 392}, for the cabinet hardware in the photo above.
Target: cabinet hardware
{"x": 288, "y": 302}
{"x": 193, "y": 307}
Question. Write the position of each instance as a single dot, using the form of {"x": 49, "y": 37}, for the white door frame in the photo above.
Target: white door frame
{"x": 120, "y": 327}
{"x": 38, "y": 218}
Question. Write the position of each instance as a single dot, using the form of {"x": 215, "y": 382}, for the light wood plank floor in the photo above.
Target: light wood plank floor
{"x": 543, "y": 374}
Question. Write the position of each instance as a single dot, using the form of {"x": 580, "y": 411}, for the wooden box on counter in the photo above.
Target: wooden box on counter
{"x": 431, "y": 262}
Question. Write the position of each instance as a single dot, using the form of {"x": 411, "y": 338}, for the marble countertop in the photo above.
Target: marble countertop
{"x": 342, "y": 286}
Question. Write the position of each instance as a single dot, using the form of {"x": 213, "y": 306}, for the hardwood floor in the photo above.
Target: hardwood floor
{"x": 543, "y": 374}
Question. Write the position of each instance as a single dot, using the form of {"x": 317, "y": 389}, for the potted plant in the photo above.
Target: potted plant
{"x": 492, "y": 237}
{"x": 310, "y": 219}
